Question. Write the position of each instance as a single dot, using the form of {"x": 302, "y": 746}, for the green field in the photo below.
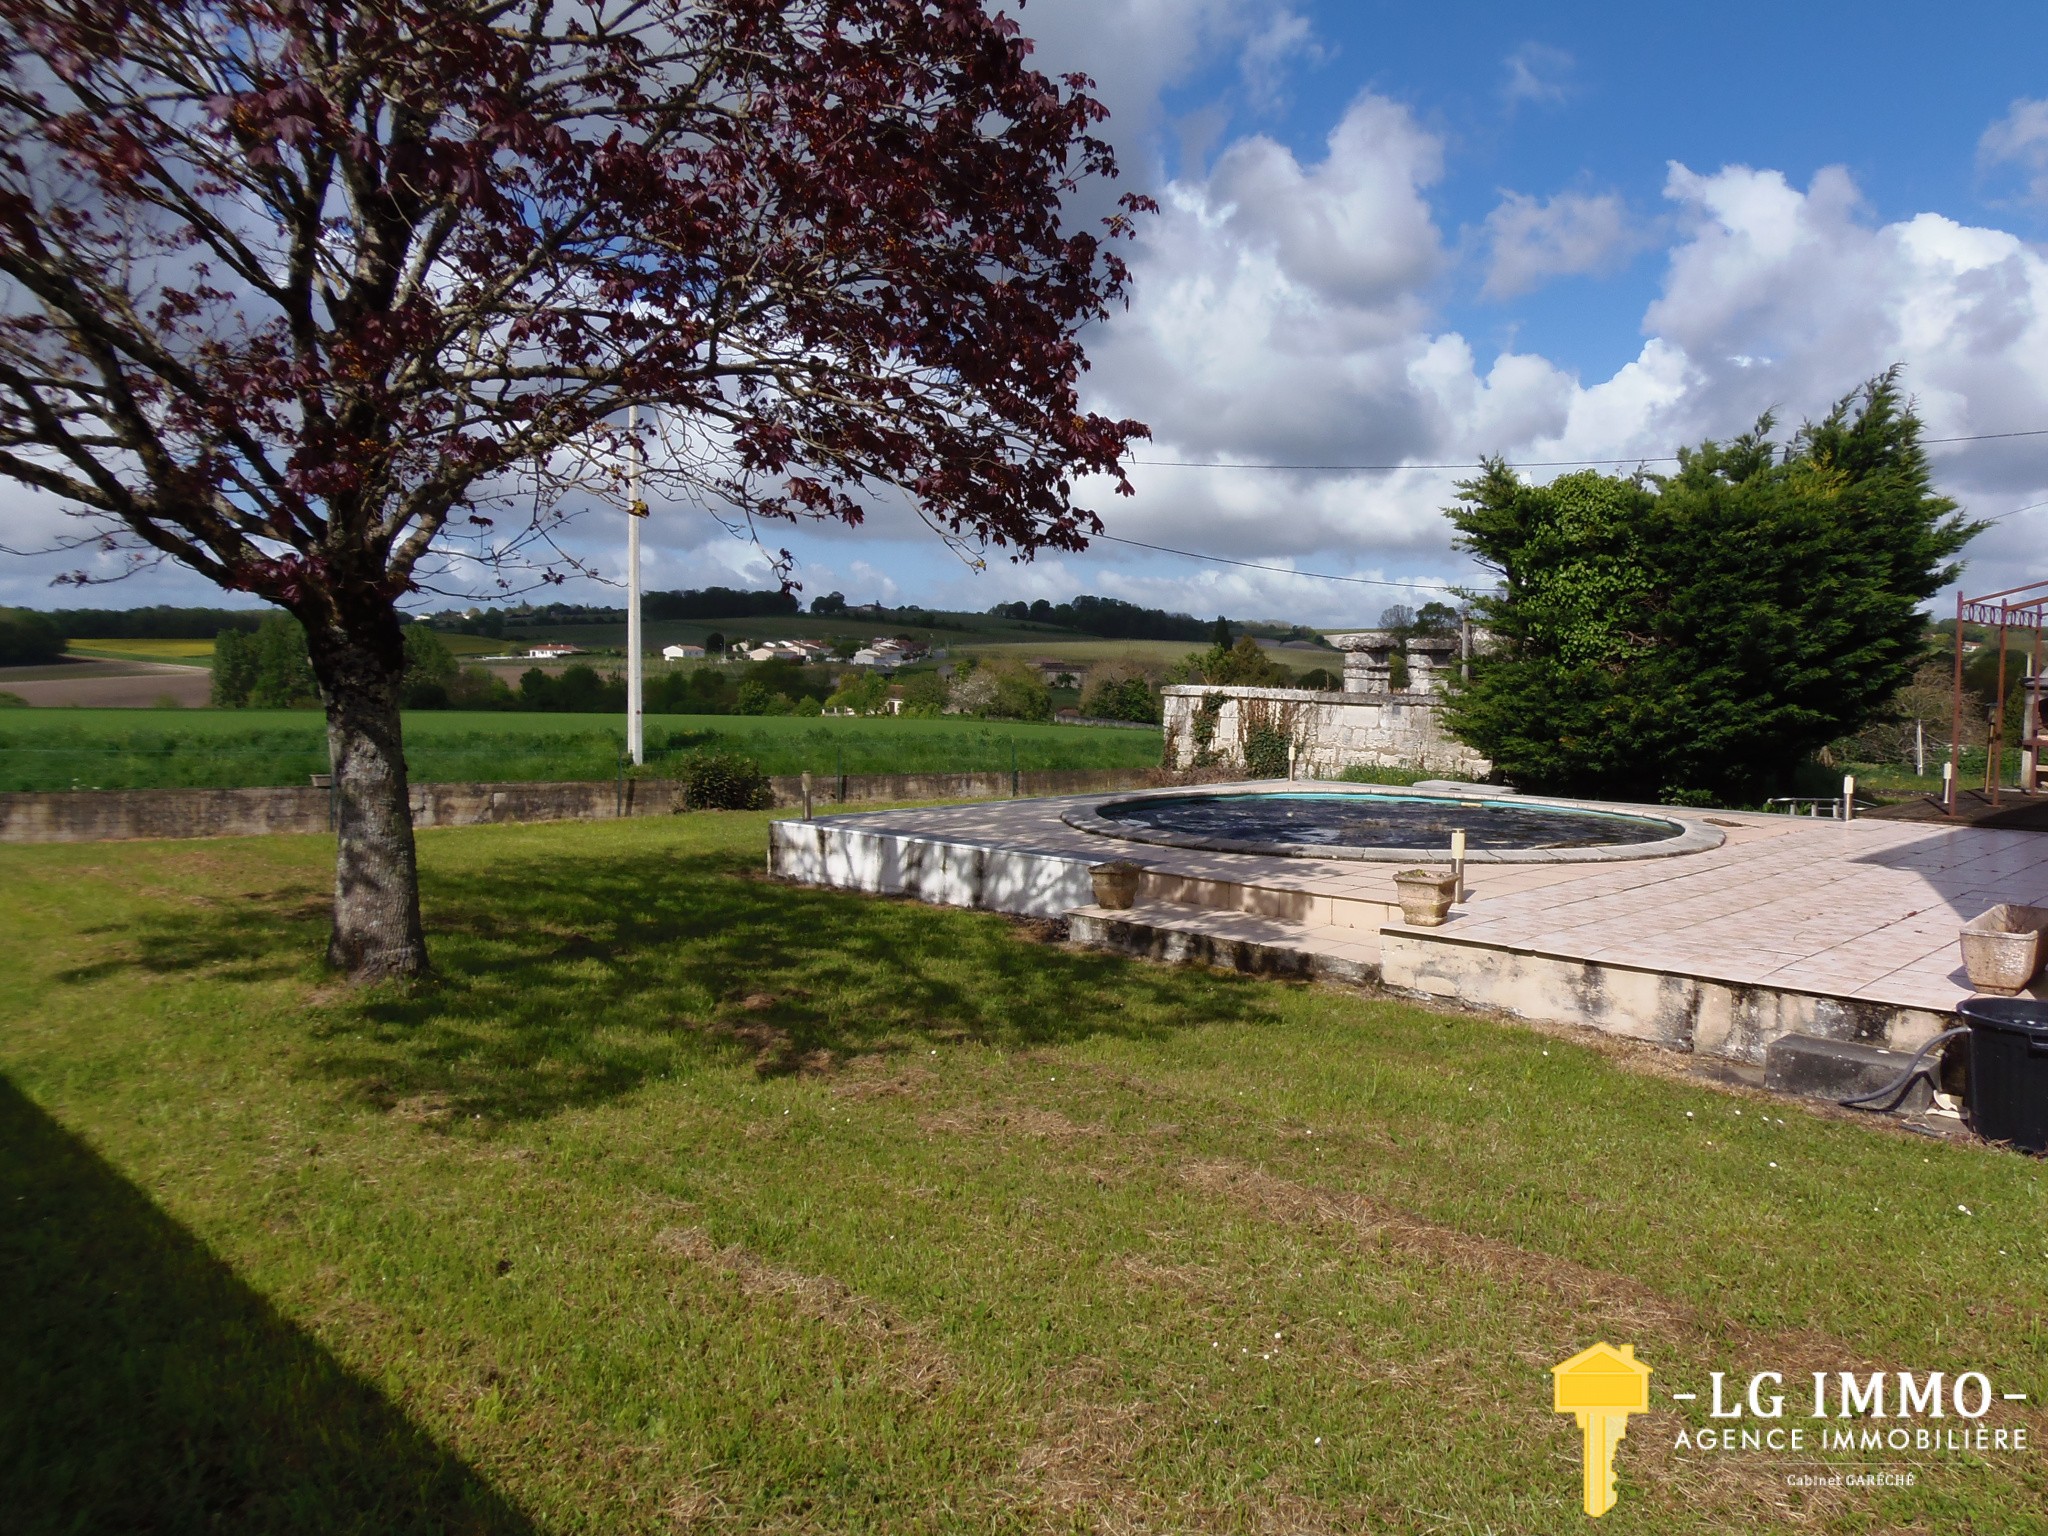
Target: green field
{"x": 991, "y": 637}
{"x": 682, "y": 1200}
{"x": 219, "y": 749}
{"x": 196, "y": 653}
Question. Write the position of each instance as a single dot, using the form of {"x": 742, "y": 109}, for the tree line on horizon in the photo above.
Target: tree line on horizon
{"x": 1105, "y": 618}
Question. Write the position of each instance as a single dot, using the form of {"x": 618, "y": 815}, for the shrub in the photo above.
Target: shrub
{"x": 865, "y": 693}
{"x": 1202, "y": 727}
{"x": 12, "y": 701}
{"x": 1365, "y": 773}
{"x": 1009, "y": 690}
{"x": 479, "y": 688}
{"x": 924, "y": 695}
{"x": 719, "y": 781}
{"x": 1243, "y": 665}
{"x": 1267, "y": 737}
{"x": 1127, "y": 697}
{"x": 752, "y": 699}
{"x": 1265, "y": 751}
{"x": 971, "y": 689}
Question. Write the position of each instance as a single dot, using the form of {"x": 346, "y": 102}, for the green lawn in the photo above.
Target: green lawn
{"x": 156, "y": 749}
{"x": 1892, "y": 781}
{"x": 683, "y": 1200}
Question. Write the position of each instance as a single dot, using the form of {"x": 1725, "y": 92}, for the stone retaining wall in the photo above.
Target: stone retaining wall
{"x": 98, "y": 815}
{"x": 1330, "y": 731}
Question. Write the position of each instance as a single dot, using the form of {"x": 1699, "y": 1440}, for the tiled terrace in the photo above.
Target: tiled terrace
{"x": 1866, "y": 911}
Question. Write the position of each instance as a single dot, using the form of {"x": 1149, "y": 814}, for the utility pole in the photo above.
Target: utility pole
{"x": 636, "y": 509}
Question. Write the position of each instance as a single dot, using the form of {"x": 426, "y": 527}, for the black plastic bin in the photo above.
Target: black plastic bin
{"x": 2007, "y": 1095}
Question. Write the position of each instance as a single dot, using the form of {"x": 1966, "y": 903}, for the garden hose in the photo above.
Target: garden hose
{"x": 1896, "y": 1091}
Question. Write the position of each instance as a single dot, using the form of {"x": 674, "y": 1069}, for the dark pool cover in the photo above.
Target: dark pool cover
{"x": 1386, "y": 821}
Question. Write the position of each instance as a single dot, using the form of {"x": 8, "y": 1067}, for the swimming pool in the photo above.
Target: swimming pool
{"x": 1388, "y": 825}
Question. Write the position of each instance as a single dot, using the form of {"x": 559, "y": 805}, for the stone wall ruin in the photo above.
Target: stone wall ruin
{"x": 1369, "y": 724}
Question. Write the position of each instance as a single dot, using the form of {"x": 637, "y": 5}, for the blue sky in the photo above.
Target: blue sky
{"x": 1397, "y": 233}
{"x": 1600, "y": 98}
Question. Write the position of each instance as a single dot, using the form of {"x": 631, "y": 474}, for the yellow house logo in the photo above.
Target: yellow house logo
{"x": 1601, "y": 1386}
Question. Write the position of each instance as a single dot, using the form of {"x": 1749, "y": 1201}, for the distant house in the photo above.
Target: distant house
{"x": 799, "y": 651}
{"x": 552, "y": 650}
{"x": 682, "y": 653}
{"x": 876, "y": 657}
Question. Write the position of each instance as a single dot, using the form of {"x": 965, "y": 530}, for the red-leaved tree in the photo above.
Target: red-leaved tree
{"x": 307, "y": 295}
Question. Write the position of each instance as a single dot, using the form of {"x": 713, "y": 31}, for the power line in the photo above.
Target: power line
{"x": 1365, "y": 468}
{"x": 1284, "y": 570}
{"x": 1370, "y": 581}
{"x": 1645, "y": 458}
{"x": 2016, "y": 511}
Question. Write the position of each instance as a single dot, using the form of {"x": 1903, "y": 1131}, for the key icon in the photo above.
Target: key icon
{"x": 1601, "y": 1387}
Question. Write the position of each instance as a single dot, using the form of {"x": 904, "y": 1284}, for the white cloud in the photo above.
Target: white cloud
{"x": 1135, "y": 49}
{"x": 1531, "y": 242}
{"x": 2020, "y": 139}
{"x": 1811, "y": 299}
{"x": 1285, "y": 37}
{"x": 1538, "y": 74}
{"x": 1281, "y": 315}
{"x": 1285, "y": 310}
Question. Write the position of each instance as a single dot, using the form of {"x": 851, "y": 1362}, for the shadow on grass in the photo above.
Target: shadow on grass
{"x": 565, "y": 982}
{"x": 144, "y": 1388}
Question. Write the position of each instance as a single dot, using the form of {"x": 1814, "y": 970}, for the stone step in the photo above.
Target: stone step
{"x": 1819, "y": 1068}
{"x": 1231, "y": 940}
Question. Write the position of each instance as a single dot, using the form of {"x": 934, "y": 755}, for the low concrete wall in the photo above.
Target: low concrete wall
{"x": 103, "y": 815}
{"x": 1731, "y": 1020}
{"x": 947, "y": 872}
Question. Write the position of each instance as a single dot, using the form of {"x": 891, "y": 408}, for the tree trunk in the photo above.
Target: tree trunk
{"x": 360, "y": 661}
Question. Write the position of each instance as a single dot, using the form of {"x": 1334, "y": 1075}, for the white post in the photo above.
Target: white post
{"x": 1458, "y": 864}
{"x": 2030, "y": 729}
{"x": 1919, "y": 750}
{"x": 1848, "y": 797}
{"x": 635, "y": 510}
{"x": 1948, "y": 785}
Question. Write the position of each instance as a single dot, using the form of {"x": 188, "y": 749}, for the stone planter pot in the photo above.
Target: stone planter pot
{"x": 1116, "y": 884}
{"x": 1426, "y": 896}
{"x": 2002, "y": 948}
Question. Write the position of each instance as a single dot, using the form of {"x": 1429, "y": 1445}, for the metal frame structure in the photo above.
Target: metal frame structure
{"x": 2023, "y": 608}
